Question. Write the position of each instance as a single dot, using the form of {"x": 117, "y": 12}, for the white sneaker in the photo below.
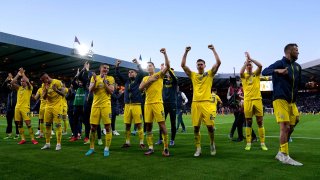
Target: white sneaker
{"x": 52, "y": 133}
{"x": 37, "y": 133}
{"x": 58, "y": 147}
{"x": 46, "y": 146}
{"x": 213, "y": 150}
{"x": 100, "y": 142}
{"x": 280, "y": 156}
{"x": 115, "y": 132}
{"x": 197, "y": 153}
{"x": 288, "y": 160}
{"x": 104, "y": 131}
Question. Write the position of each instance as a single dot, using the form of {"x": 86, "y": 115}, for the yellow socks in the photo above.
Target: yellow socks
{"x": 165, "y": 141}
{"x": 92, "y": 138}
{"x": 262, "y": 134}
{"x": 284, "y": 148}
{"x": 31, "y": 132}
{"x": 48, "y": 134}
{"x": 150, "y": 140}
{"x": 21, "y": 132}
{"x": 65, "y": 125}
{"x": 108, "y": 139}
{"x": 248, "y": 134}
{"x": 59, "y": 134}
{"x": 141, "y": 136}
{"x": 197, "y": 139}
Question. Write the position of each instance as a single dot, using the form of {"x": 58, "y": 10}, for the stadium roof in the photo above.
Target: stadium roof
{"x": 36, "y": 57}
{"x": 310, "y": 70}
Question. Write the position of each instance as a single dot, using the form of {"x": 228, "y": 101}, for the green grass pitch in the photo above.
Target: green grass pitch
{"x": 231, "y": 162}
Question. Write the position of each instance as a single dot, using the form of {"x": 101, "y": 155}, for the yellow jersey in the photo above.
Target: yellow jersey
{"x": 53, "y": 98}
{"x": 251, "y": 86}
{"x": 215, "y": 99}
{"x": 154, "y": 91}
{"x": 202, "y": 84}
{"x": 23, "y": 97}
{"x": 64, "y": 100}
{"x": 42, "y": 101}
{"x": 100, "y": 97}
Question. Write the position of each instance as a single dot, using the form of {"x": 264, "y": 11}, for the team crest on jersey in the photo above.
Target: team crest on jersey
{"x": 211, "y": 117}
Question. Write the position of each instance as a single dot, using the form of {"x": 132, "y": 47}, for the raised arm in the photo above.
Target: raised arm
{"x": 9, "y": 78}
{"x": 93, "y": 82}
{"x": 184, "y": 60}
{"x": 173, "y": 77}
{"x": 167, "y": 62}
{"x": 257, "y": 63}
{"x": 37, "y": 96}
{"x": 84, "y": 73}
{"x": 216, "y": 66}
{"x": 243, "y": 68}
{"x": 117, "y": 72}
{"x": 27, "y": 80}
{"x": 14, "y": 82}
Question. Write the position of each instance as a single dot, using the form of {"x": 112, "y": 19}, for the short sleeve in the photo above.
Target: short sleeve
{"x": 91, "y": 80}
{"x": 145, "y": 79}
{"x": 111, "y": 80}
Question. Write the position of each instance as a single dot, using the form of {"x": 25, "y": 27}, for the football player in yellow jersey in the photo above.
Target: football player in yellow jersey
{"x": 202, "y": 107}
{"x": 153, "y": 109}
{"x": 252, "y": 100}
{"x": 53, "y": 92}
{"x": 22, "y": 109}
{"x": 41, "y": 109}
{"x": 216, "y": 102}
{"x": 64, "y": 110}
{"x": 102, "y": 87}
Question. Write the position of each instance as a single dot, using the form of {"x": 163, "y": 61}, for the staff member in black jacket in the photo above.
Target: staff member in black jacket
{"x": 11, "y": 103}
{"x": 286, "y": 76}
{"x": 132, "y": 100}
{"x": 169, "y": 96}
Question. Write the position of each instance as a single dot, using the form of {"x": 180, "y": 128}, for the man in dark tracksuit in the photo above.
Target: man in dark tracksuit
{"x": 169, "y": 95}
{"x": 115, "y": 97}
{"x": 11, "y": 103}
{"x": 84, "y": 77}
{"x": 132, "y": 100}
{"x": 78, "y": 108}
{"x": 286, "y": 77}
